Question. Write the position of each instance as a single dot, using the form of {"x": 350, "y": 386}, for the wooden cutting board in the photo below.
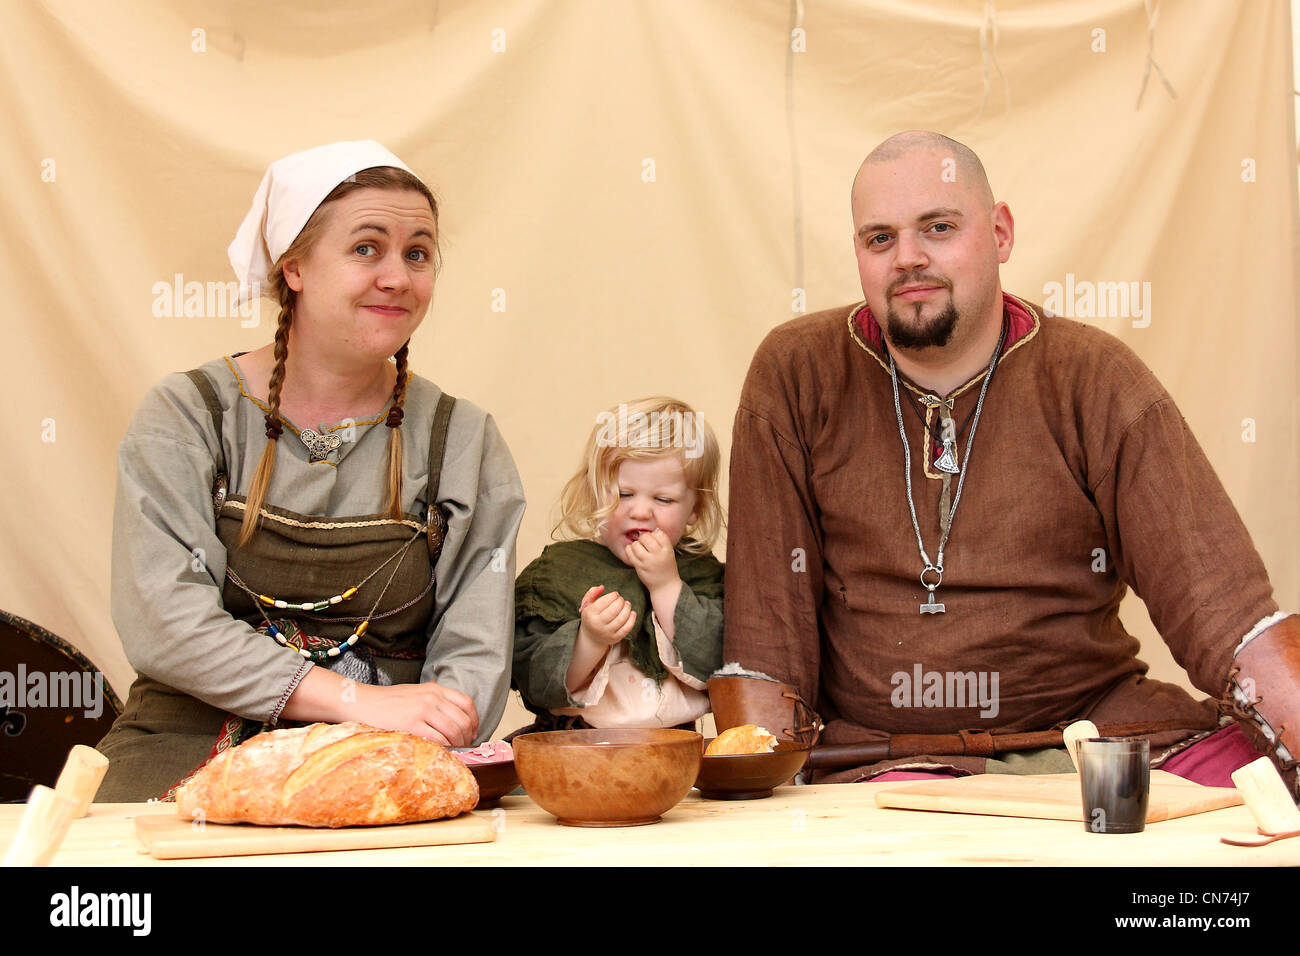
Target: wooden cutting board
{"x": 170, "y": 837}
{"x": 1048, "y": 796}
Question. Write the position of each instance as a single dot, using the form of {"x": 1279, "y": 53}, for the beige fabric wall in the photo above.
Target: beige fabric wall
{"x": 642, "y": 185}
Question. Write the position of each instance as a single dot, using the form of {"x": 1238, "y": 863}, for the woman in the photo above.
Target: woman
{"x": 302, "y": 474}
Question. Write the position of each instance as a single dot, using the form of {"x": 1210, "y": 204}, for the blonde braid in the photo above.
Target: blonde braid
{"x": 394, "y": 421}
{"x": 274, "y": 424}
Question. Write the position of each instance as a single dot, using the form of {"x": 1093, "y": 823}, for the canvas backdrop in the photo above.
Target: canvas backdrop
{"x": 633, "y": 194}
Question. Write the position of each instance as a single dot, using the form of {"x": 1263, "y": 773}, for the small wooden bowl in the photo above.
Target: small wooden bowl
{"x": 495, "y": 780}
{"x": 750, "y": 776}
{"x": 608, "y": 778}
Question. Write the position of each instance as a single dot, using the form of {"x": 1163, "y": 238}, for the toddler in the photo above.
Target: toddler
{"x": 621, "y": 626}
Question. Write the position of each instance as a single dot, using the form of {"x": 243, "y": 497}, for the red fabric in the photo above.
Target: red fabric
{"x": 1209, "y": 762}
{"x": 1019, "y": 323}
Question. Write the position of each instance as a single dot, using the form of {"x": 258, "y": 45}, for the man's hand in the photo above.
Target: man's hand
{"x": 606, "y": 619}
{"x": 652, "y": 557}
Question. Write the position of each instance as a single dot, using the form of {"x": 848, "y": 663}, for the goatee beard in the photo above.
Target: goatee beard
{"x": 936, "y": 332}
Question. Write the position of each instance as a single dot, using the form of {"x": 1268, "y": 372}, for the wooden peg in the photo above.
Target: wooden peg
{"x": 1079, "y": 730}
{"x": 44, "y": 824}
{"x": 82, "y": 774}
{"x": 1266, "y": 795}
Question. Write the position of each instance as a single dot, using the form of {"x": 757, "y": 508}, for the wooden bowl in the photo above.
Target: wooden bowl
{"x": 750, "y": 776}
{"x": 608, "y": 778}
{"x": 495, "y": 780}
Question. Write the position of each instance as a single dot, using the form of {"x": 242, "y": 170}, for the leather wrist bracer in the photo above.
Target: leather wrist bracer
{"x": 1263, "y": 696}
{"x": 758, "y": 699}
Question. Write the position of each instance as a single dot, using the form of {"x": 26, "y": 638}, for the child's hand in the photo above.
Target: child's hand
{"x": 651, "y": 556}
{"x": 606, "y": 619}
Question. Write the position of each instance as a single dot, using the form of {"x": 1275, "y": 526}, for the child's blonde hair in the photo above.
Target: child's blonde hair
{"x": 645, "y": 430}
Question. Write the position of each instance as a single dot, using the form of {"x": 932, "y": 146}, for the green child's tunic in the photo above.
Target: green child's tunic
{"x": 550, "y": 590}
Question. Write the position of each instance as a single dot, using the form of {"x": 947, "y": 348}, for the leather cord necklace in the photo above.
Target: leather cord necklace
{"x": 947, "y": 460}
{"x": 936, "y": 567}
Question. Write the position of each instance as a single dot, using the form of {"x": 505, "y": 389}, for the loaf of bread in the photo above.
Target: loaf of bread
{"x": 745, "y": 739}
{"x": 330, "y": 775}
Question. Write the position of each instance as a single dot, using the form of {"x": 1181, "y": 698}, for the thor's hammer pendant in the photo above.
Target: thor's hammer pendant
{"x": 930, "y": 607}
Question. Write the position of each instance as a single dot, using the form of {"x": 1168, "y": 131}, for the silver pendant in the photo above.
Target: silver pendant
{"x": 219, "y": 489}
{"x": 930, "y": 607}
{"x": 947, "y": 462}
{"x": 319, "y": 446}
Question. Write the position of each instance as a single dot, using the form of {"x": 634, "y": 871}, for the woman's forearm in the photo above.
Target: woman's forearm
{"x": 442, "y": 714}
{"x": 323, "y": 695}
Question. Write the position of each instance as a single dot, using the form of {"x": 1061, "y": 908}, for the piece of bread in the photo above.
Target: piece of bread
{"x": 330, "y": 775}
{"x": 745, "y": 739}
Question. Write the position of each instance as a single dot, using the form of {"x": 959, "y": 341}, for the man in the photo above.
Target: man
{"x": 939, "y": 497}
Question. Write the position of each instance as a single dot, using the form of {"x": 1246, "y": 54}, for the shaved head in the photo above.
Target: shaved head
{"x": 954, "y": 160}
{"x": 929, "y": 240}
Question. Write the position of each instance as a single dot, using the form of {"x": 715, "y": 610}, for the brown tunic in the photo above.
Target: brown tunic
{"x": 1084, "y": 481}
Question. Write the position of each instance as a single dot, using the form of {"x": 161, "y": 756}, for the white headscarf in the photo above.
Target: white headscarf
{"x": 289, "y": 193}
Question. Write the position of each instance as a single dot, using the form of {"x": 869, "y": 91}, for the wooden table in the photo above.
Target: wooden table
{"x": 801, "y": 826}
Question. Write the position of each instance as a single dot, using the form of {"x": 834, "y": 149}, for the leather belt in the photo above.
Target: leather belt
{"x": 964, "y": 743}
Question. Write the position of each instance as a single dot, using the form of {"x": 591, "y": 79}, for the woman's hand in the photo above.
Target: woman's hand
{"x": 606, "y": 619}
{"x": 441, "y": 714}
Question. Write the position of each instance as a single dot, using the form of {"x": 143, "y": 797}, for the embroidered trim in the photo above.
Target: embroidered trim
{"x": 867, "y": 347}
{"x": 1260, "y": 627}
{"x": 370, "y": 523}
{"x": 872, "y": 775}
{"x": 288, "y": 691}
{"x": 266, "y": 409}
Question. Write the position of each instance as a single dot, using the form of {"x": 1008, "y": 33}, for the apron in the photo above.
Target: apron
{"x": 164, "y": 734}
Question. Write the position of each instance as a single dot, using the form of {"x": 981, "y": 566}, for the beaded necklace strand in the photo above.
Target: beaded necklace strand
{"x": 263, "y": 601}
